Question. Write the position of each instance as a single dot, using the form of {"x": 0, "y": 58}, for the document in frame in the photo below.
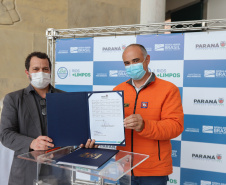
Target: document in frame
{"x": 106, "y": 114}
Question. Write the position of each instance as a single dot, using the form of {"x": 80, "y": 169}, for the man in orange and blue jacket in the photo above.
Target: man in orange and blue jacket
{"x": 153, "y": 116}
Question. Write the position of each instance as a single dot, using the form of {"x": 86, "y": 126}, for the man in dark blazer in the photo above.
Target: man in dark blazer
{"x": 23, "y": 125}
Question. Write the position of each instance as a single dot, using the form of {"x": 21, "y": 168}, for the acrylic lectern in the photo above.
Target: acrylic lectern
{"x": 115, "y": 171}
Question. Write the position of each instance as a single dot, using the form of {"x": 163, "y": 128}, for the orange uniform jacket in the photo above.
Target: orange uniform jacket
{"x": 159, "y": 104}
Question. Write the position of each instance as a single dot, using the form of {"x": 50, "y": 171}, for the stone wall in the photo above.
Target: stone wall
{"x": 23, "y": 24}
{"x": 22, "y": 30}
{"x": 96, "y": 13}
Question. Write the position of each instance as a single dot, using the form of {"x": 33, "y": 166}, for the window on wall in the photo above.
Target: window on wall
{"x": 193, "y": 12}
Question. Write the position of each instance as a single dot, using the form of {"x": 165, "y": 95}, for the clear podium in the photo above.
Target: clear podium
{"x": 115, "y": 171}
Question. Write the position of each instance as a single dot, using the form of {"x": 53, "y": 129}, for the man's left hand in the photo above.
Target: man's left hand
{"x": 134, "y": 121}
{"x": 89, "y": 144}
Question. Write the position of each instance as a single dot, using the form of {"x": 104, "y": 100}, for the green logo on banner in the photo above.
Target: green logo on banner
{"x": 173, "y": 181}
{"x": 174, "y": 75}
{"x": 81, "y": 74}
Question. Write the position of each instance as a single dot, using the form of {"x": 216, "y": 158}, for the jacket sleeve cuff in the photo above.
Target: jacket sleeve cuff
{"x": 26, "y": 144}
{"x": 142, "y": 132}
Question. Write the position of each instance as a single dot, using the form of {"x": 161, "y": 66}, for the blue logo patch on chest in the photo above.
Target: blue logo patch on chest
{"x": 144, "y": 105}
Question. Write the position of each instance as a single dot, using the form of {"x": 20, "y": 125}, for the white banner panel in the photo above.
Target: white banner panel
{"x": 203, "y": 156}
{"x": 204, "y": 101}
{"x": 111, "y": 48}
{"x": 174, "y": 178}
{"x": 74, "y": 73}
{"x": 178, "y": 138}
{"x": 170, "y": 70}
{"x": 6, "y": 158}
{"x": 205, "y": 45}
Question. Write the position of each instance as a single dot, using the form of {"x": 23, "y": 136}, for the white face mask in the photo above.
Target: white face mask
{"x": 40, "y": 80}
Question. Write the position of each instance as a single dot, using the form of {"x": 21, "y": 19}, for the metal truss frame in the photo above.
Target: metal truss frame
{"x": 136, "y": 29}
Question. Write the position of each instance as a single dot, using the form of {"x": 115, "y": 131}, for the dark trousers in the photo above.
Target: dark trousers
{"x": 146, "y": 180}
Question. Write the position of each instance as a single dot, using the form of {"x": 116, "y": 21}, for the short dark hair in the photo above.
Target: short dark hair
{"x": 36, "y": 54}
{"x": 142, "y": 48}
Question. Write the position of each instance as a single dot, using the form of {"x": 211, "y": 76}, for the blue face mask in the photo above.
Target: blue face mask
{"x": 135, "y": 71}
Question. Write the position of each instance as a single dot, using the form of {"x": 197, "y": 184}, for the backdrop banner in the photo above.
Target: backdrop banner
{"x": 195, "y": 62}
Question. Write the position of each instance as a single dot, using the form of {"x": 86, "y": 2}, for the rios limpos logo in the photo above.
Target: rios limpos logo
{"x": 62, "y": 72}
{"x": 173, "y": 181}
{"x": 81, "y": 74}
{"x": 77, "y": 73}
{"x": 174, "y": 75}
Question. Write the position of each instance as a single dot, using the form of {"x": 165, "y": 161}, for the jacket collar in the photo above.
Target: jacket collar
{"x": 30, "y": 88}
{"x": 152, "y": 79}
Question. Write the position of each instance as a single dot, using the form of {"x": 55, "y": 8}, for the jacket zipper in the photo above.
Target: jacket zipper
{"x": 159, "y": 150}
{"x": 134, "y": 110}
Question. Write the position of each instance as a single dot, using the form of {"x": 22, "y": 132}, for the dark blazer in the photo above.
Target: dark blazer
{"x": 20, "y": 124}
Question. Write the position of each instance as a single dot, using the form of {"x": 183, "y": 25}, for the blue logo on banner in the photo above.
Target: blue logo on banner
{"x": 79, "y": 49}
{"x": 62, "y": 72}
{"x": 109, "y": 73}
{"x": 164, "y": 46}
{"x": 204, "y": 73}
{"x": 209, "y": 129}
{"x": 176, "y": 152}
{"x": 195, "y": 177}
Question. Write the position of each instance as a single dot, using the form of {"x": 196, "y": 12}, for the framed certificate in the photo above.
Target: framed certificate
{"x": 75, "y": 117}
